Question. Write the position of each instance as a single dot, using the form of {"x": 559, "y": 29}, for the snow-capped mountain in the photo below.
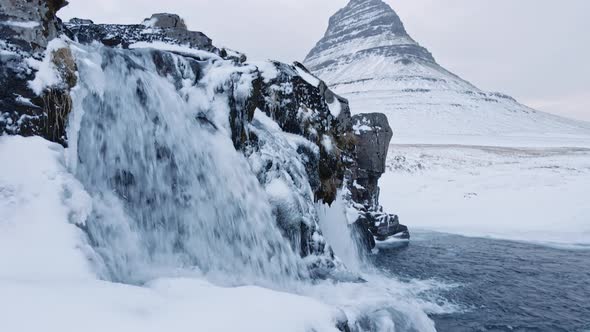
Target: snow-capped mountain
{"x": 368, "y": 57}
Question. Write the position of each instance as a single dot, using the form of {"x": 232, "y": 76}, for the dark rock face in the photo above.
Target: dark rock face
{"x": 302, "y": 108}
{"x": 25, "y": 30}
{"x": 79, "y": 21}
{"x": 127, "y": 35}
{"x": 370, "y": 23}
{"x": 373, "y": 135}
{"x": 165, "y": 20}
{"x": 28, "y": 24}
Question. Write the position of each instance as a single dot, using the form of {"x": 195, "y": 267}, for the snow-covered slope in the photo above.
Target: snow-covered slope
{"x": 535, "y": 195}
{"x": 368, "y": 57}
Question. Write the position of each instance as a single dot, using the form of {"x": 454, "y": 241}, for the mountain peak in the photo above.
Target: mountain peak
{"x": 367, "y": 56}
{"x": 364, "y": 27}
{"x": 367, "y": 18}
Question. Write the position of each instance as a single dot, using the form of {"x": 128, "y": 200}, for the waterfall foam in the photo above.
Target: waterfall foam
{"x": 381, "y": 302}
{"x": 336, "y": 229}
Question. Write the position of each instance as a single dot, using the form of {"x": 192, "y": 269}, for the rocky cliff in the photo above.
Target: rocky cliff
{"x": 299, "y": 138}
{"x": 25, "y": 31}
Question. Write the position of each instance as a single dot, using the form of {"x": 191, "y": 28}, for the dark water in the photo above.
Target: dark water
{"x": 503, "y": 286}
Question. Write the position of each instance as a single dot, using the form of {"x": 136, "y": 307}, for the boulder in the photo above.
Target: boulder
{"x": 372, "y": 137}
{"x": 76, "y": 20}
{"x": 165, "y": 21}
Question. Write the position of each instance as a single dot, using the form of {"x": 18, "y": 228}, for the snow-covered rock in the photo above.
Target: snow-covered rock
{"x": 27, "y": 30}
{"x": 165, "y": 28}
{"x": 30, "y": 25}
{"x": 372, "y": 137}
{"x": 165, "y": 20}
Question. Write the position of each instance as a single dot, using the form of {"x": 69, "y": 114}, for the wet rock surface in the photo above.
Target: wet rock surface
{"x": 372, "y": 136}
{"x": 299, "y": 106}
{"x": 26, "y": 28}
{"x": 30, "y": 24}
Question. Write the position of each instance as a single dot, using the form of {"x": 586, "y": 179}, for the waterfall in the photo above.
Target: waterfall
{"x": 150, "y": 139}
{"x": 171, "y": 195}
{"x": 335, "y": 226}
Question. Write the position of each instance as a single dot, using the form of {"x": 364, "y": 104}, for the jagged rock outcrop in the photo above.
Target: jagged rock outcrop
{"x": 80, "y": 21}
{"x": 30, "y": 25}
{"x": 303, "y": 105}
{"x": 26, "y": 28}
{"x": 372, "y": 137}
{"x": 163, "y": 28}
{"x": 165, "y": 20}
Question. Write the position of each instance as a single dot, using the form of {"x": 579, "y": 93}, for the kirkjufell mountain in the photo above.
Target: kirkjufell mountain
{"x": 367, "y": 56}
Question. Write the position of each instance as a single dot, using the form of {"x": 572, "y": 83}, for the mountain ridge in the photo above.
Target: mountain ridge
{"x": 367, "y": 56}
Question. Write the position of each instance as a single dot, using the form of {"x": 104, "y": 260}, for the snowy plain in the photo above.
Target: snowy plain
{"x": 533, "y": 194}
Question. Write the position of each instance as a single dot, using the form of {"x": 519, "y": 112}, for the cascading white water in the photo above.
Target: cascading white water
{"x": 335, "y": 226}
{"x": 173, "y": 197}
{"x": 171, "y": 194}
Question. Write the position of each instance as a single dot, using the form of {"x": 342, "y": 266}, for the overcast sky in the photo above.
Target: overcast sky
{"x": 535, "y": 50}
